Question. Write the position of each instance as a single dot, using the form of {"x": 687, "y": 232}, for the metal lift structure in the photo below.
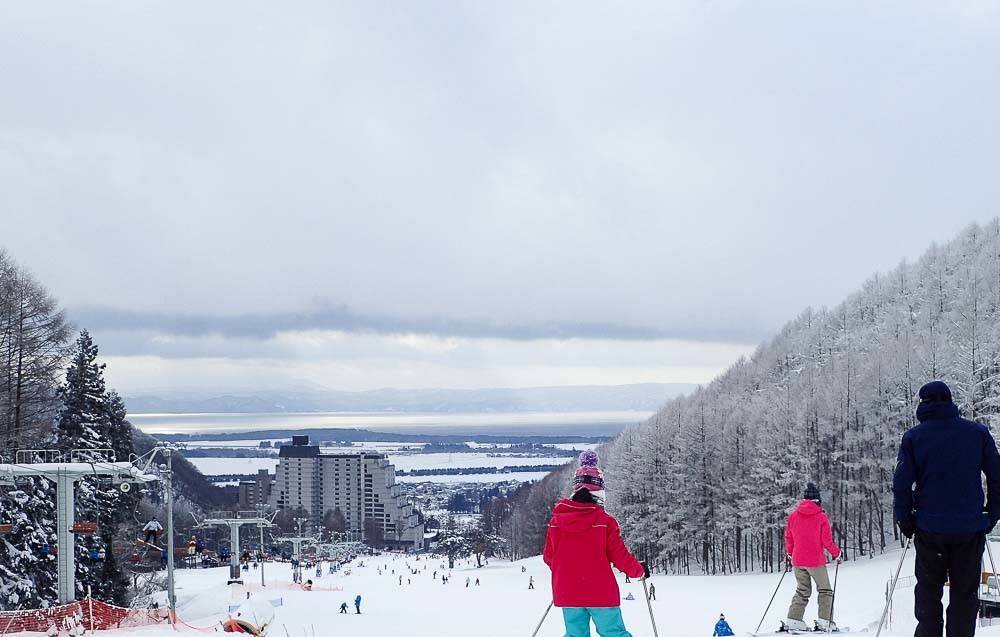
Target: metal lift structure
{"x": 234, "y": 521}
{"x": 66, "y": 469}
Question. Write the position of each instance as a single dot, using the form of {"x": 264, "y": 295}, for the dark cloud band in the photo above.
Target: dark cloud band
{"x": 263, "y": 326}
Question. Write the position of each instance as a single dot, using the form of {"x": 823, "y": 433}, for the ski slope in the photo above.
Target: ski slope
{"x": 502, "y": 606}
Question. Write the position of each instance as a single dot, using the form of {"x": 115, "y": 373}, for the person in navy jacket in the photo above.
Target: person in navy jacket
{"x": 938, "y": 501}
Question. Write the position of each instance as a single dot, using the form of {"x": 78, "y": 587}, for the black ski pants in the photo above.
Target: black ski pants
{"x": 958, "y": 559}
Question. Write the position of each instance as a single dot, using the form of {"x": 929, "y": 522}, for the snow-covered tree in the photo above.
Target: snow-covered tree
{"x": 94, "y": 419}
{"x": 707, "y": 482}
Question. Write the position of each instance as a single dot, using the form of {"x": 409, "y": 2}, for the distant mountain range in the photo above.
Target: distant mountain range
{"x": 638, "y": 397}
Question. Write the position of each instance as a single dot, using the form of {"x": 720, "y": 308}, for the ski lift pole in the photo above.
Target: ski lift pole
{"x": 171, "y": 596}
{"x": 989, "y": 551}
{"x": 892, "y": 588}
{"x": 784, "y": 571}
{"x": 542, "y": 620}
{"x": 649, "y": 606}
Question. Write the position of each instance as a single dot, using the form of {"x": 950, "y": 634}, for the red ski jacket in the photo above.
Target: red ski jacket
{"x": 807, "y": 534}
{"x": 582, "y": 543}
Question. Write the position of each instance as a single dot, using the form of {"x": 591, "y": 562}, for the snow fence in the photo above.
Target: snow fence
{"x": 89, "y": 613}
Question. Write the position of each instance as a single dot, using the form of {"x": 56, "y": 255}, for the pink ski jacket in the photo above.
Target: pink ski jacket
{"x": 807, "y": 534}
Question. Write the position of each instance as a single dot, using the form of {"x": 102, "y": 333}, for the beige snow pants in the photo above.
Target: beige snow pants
{"x": 805, "y": 577}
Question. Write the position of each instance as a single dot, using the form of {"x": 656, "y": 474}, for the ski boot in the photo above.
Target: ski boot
{"x": 793, "y": 626}
{"x": 824, "y": 626}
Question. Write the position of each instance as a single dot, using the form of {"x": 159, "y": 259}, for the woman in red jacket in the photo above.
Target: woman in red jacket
{"x": 582, "y": 543}
{"x": 807, "y": 534}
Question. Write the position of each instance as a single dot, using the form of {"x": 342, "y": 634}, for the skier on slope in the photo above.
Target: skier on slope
{"x": 582, "y": 543}
{"x": 806, "y": 535}
{"x": 722, "y": 628}
{"x": 945, "y": 457}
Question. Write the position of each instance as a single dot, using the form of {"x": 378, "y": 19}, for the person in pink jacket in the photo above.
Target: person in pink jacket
{"x": 808, "y": 533}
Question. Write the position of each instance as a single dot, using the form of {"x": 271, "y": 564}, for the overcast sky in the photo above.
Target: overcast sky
{"x": 463, "y": 194}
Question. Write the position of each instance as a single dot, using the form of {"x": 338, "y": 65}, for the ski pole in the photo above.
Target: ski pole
{"x": 649, "y": 605}
{"x": 542, "y": 620}
{"x": 833, "y": 596}
{"x": 784, "y": 571}
{"x": 993, "y": 566}
{"x": 892, "y": 589}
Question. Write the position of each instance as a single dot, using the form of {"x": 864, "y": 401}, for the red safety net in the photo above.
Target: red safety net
{"x": 90, "y": 614}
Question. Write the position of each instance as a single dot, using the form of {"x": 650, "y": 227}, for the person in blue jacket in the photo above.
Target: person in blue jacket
{"x": 722, "y": 628}
{"x": 357, "y": 605}
{"x": 938, "y": 501}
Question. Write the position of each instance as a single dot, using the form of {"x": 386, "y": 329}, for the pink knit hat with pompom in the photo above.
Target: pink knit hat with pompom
{"x": 588, "y": 476}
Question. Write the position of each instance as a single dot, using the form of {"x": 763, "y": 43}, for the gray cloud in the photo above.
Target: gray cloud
{"x": 514, "y": 170}
{"x": 266, "y": 326}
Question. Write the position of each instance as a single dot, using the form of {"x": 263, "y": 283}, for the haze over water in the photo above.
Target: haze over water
{"x": 590, "y": 423}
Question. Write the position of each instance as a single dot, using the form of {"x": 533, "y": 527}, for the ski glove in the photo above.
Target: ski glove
{"x": 907, "y": 528}
{"x": 645, "y": 570}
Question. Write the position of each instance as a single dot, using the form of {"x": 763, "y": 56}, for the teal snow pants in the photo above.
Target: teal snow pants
{"x": 607, "y": 620}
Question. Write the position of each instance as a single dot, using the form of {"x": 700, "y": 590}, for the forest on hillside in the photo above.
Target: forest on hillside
{"x": 705, "y": 485}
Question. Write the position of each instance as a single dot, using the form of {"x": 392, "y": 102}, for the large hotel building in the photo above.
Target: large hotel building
{"x": 362, "y": 485}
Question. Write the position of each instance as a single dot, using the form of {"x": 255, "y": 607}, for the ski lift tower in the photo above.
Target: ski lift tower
{"x": 297, "y": 541}
{"x": 234, "y": 521}
{"x": 66, "y": 468}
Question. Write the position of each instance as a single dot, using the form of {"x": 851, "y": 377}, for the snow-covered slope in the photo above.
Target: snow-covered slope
{"x": 503, "y": 606}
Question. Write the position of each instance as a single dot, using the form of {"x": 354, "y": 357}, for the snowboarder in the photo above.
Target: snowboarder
{"x": 357, "y": 605}
{"x": 722, "y": 628}
{"x": 630, "y": 597}
{"x": 582, "y": 543}
{"x": 945, "y": 456}
{"x": 652, "y": 592}
{"x": 152, "y": 529}
{"x": 806, "y": 535}
{"x": 308, "y": 586}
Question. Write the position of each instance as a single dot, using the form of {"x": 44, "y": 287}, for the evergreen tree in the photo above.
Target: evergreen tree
{"x": 82, "y": 422}
{"x": 27, "y": 565}
{"x": 93, "y": 418}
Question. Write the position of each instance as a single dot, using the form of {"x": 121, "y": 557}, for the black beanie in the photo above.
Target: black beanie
{"x": 935, "y": 392}
{"x": 812, "y": 493}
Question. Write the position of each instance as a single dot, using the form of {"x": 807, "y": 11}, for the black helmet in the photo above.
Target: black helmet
{"x": 812, "y": 493}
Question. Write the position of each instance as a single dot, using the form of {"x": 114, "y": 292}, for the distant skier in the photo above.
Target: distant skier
{"x": 531, "y": 583}
{"x": 946, "y": 456}
{"x": 343, "y": 608}
{"x": 806, "y": 535}
{"x": 152, "y": 528}
{"x": 477, "y": 581}
{"x": 467, "y": 582}
{"x": 582, "y": 543}
{"x": 192, "y": 545}
{"x": 722, "y": 628}
{"x": 652, "y": 592}
{"x": 357, "y": 605}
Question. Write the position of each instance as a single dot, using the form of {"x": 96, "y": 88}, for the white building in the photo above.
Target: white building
{"x": 361, "y": 485}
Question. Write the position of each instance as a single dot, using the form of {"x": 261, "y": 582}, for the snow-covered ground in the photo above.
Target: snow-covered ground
{"x": 503, "y": 606}
{"x": 478, "y": 478}
{"x": 404, "y": 462}
{"x": 227, "y": 466}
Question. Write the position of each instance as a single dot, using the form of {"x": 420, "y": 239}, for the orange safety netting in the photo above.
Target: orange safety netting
{"x": 90, "y": 614}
